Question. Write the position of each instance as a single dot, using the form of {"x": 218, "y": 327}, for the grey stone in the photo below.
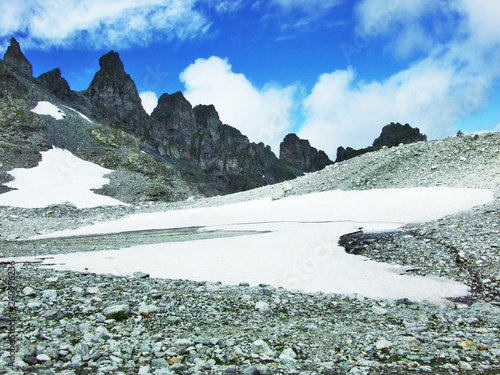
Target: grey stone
{"x": 50, "y": 294}
{"x": 111, "y": 310}
{"x": 42, "y": 358}
{"x": 29, "y": 291}
{"x": 262, "y": 348}
{"x": 82, "y": 349}
{"x": 158, "y": 363}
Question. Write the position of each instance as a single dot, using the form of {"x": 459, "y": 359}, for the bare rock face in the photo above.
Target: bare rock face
{"x": 114, "y": 96}
{"x": 56, "y": 84}
{"x": 16, "y": 59}
{"x": 173, "y": 124}
{"x": 196, "y": 137}
{"x": 392, "y": 135}
{"x": 395, "y": 134}
{"x": 302, "y": 155}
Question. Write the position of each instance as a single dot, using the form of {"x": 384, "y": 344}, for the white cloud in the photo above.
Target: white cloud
{"x": 452, "y": 80}
{"x": 149, "y": 101}
{"x": 227, "y": 6}
{"x": 95, "y": 24}
{"x": 402, "y": 21}
{"x": 483, "y": 18}
{"x": 431, "y": 95}
{"x": 261, "y": 114}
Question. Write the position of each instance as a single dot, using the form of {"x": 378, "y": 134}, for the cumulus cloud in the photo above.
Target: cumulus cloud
{"x": 95, "y": 24}
{"x": 149, "y": 101}
{"x": 341, "y": 111}
{"x": 483, "y": 18}
{"x": 446, "y": 81}
{"x": 262, "y": 114}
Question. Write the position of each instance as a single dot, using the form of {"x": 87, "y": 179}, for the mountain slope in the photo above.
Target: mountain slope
{"x": 177, "y": 152}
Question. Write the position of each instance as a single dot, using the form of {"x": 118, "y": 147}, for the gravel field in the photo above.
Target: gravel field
{"x": 83, "y": 323}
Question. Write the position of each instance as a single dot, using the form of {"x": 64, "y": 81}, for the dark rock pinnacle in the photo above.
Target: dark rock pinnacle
{"x": 16, "y": 59}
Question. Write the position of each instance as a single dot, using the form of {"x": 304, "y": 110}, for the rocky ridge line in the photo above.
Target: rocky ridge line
{"x": 169, "y": 156}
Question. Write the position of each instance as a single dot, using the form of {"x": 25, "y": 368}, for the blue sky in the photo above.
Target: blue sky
{"x": 335, "y": 72}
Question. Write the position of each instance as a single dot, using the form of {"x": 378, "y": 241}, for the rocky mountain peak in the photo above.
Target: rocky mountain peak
{"x": 392, "y": 135}
{"x": 206, "y": 115}
{"x": 16, "y": 59}
{"x": 56, "y": 83}
{"x": 302, "y": 155}
{"x": 177, "y": 151}
{"x": 115, "y": 98}
{"x": 111, "y": 63}
{"x": 171, "y": 103}
{"x": 396, "y": 133}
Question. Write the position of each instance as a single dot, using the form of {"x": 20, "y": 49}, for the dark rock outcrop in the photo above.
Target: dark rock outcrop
{"x": 56, "y": 84}
{"x": 392, "y": 135}
{"x": 302, "y": 155}
{"x": 172, "y": 126}
{"x": 114, "y": 96}
{"x": 16, "y": 59}
{"x": 349, "y": 153}
{"x": 197, "y": 140}
{"x": 229, "y": 158}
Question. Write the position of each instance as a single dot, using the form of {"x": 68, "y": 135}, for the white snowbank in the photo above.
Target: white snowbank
{"x": 46, "y": 108}
{"x": 390, "y": 206}
{"x": 299, "y": 250}
{"x": 60, "y": 177}
{"x": 81, "y": 114}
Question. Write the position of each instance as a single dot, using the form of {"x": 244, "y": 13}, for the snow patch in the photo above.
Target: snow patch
{"x": 81, "y": 114}
{"x": 46, "y": 108}
{"x": 59, "y": 178}
{"x": 298, "y": 248}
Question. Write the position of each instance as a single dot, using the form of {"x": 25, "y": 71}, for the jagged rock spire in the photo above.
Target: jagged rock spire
{"x": 15, "y": 58}
{"x": 302, "y": 155}
{"x": 115, "y": 98}
{"x": 57, "y": 84}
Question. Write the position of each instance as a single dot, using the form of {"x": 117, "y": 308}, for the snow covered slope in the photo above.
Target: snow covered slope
{"x": 297, "y": 248}
{"x": 59, "y": 178}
